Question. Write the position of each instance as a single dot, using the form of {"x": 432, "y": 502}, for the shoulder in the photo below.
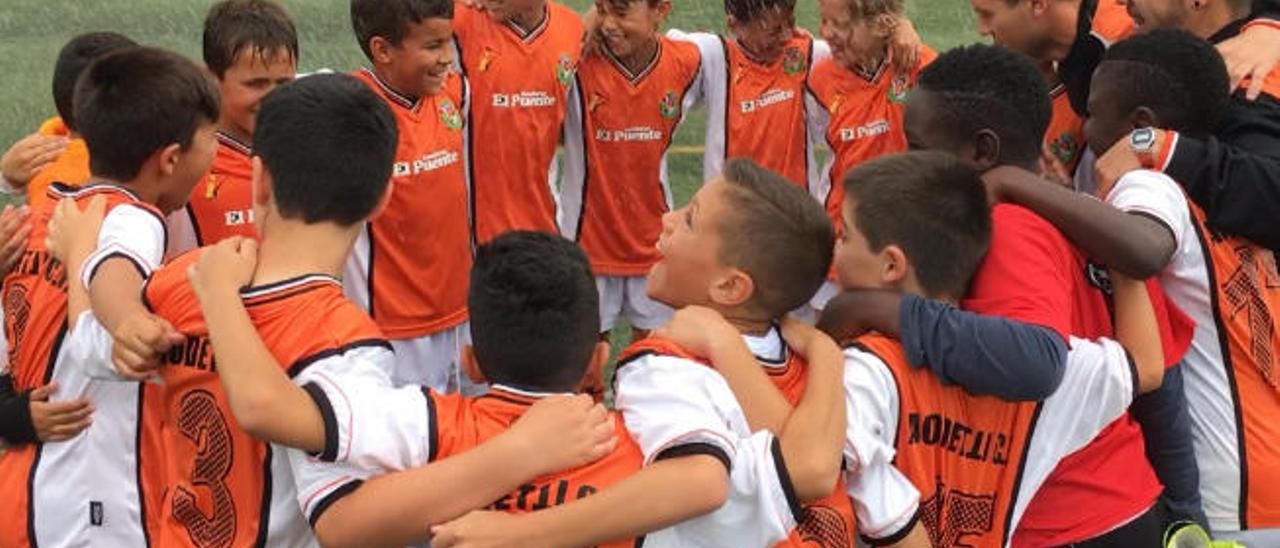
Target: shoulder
{"x": 684, "y": 52}
{"x": 565, "y": 19}
{"x": 168, "y": 284}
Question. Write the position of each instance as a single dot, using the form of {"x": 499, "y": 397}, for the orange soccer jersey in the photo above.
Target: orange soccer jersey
{"x": 221, "y": 204}
{"x": 222, "y": 485}
{"x": 1065, "y": 135}
{"x": 415, "y": 261}
{"x": 465, "y": 422}
{"x": 965, "y": 453}
{"x": 616, "y": 187}
{"x": 35, "y": 304}
{"x": 865, "y": 116}
{"x": 520, "y": 82}
{"x": 765, "y": 108}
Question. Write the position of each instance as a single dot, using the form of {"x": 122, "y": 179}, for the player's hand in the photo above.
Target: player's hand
{"x": 1251, "y": 55}
{"x": 139, "y": 343}
{"x": 698, "y": 329}
{"x": 904, "y": 46}
{"x": 1052, "y": 169}
{"x": 564, "y": 432}
{"x": 854, "y": 312}
{"x": 801, "y": 337}
{"x": 15, "y": 228}
{"x": 58, "y": 420}
{"x": 1116, "y": 162}
{"x": 223, "y": 268}
{"x": 484, "y": 529}
{"x": 73, "y": 233}
{"x": 28, "y": 155}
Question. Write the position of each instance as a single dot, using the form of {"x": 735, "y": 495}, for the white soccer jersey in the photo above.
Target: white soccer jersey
{"x": 1098, "y": 386}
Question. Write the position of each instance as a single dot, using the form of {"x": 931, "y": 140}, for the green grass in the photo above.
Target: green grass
{"x": 32, "y": 32}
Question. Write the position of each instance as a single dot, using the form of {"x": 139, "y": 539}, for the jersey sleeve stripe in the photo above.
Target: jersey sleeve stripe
{"x": 302, "y": 364}
{"x": 433, "y": 434}
{"x": 334, "y": 496}
{"x": 784, "y": 478}
{"x": 696, "y": 448}
{"x": 99, "y": 261}
{"x": 898, "y": 536}
{"x": 331, "y": 435}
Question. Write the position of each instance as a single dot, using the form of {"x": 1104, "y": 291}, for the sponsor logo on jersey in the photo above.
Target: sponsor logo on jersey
{"x": 1065, "y": 147}
{"x": 524, "y": 99}
{"x": 564, "y": 70}
{"x": 669, "y": 106}
{"x": 872, "y": 129}
{"x": 428, "y": 162}
{"x": 899, "y": 88}
{"x": 211, "y": 184}
{"x": 770, "y": 98}
{"x": 450, "y": 115}
{"x": 793, "y": 61}
{"x": 629, "y": 135}
{"x": 238, "y": 217}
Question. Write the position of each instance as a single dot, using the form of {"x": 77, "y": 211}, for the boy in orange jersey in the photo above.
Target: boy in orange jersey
{"x": 860, "y": 94}
{"x": 751, "y": 246}
{"x": 250, "y": 47}
{"x": 519, "y": 57}
{"x": 71, "y": 166}
{"x": 409, "y": 267}
{"x": 919, "y": 222}
{"x": 311, "y": 202}
{"x": 147, "y": 117}
{"x": 629, "y": 97}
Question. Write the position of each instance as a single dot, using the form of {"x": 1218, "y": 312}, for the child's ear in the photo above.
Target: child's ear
{"x": 471, "y": 366}
{"x": 1143, "y": 117}
{"x": 986, "y": 150}
{"x": 664, "y": 10}
{"x": 1038, "y": 7}
{"x": 261, "y": 183}
{"x": 593, "y": 378}
{"x": 168, "y": 158}
{"x": 380, "y": 50}
{"x": 894, "y": 265}
{"x": 735, "y": 288}
{"x": 886, "y": 24}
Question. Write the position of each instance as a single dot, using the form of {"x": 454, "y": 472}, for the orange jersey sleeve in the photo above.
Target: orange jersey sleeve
{"x": 412, "y": 266}
{"x": 520, "y": 83}
{"x": 616, "y": 185}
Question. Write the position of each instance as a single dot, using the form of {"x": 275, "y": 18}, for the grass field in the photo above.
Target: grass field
{"x": 32, "y": 32}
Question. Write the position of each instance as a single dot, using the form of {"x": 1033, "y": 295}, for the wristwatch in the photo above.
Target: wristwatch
{"x": 1142, "y": 142}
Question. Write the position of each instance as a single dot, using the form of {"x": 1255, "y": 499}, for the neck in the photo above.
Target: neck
{"x": 291, "y": 248}
{"x": 239, "y": 134}
{"x": 531, "y": 18}
{"x": 871, "y": 64}
{"x": 381, "y": 73}
{"x": 145, "y": 189}
{"x": 641, "y": 57}
{"x": 746, "y": 324}
{"x": 1212, "y": 19}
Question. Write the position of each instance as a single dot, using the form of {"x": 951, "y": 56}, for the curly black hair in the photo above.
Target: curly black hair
{"x": 1180, "y": 77}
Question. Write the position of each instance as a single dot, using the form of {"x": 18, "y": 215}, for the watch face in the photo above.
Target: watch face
{"x": 1142, "y": 138}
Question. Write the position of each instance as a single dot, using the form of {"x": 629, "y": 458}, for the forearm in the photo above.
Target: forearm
{"x": 988, "y": 355}
{"x": 264, "y": 401}
{"x": 1137, "y": 330}
{"x": 813, "y": 437}
{"x": 1132, "y": 244}
{"x": 400, "y": 508}
{"x": 662, "y": 494}
{"x": 762, "y": 403}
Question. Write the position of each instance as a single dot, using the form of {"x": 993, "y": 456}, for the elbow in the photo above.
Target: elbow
{"x": 815, "y": 479}
{"x": 1151, "y": 375}
{"x": 710, "y": 487}
{"x": 1150, "y": 258}
{"x": 254, "y": 414}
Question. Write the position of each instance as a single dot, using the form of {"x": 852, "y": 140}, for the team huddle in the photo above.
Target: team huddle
{"x": 1022, "y": 294}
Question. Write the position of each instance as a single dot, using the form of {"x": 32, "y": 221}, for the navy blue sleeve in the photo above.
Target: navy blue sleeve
{"x": 988, "y": 355}
{"x": 1166, "y": 429}
{"x": 15, "y": 414}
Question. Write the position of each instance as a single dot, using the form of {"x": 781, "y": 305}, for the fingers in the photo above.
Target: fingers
{"x": 42, "y": 393}
{"x": 443, "y": 537}
{"x": 1257, "y": 82}
{"x": 66, "y": 431}
{"x": 68, "y": 409}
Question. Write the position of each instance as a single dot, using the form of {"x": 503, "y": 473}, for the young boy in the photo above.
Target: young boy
{"x": 919, "y": 222}
{"x": 71, "y": 166}
{"x": 145, "y": 157}
{"x": 708, "y": 480}
{"x": 250, "y": 47}
{"x": 628, "y": 99}
{"x": 410, "y": 263}
{"x": 519, "y": 57}
{"x": 860, "y": 93}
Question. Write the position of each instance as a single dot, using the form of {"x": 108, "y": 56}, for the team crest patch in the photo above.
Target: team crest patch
{"x": 793, "y": 61}
{"x": 450, "y": 115}
{"x": 564, "y": 70}
{"x": 211, "y": 184}
{"x": 487, "y": 59}
{"x": 670, "y": 105}
{"x": 899, "y": 88}
{"x": 1065, "y": 148}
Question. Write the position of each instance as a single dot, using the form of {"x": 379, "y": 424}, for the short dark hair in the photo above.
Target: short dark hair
{"x": 933, "y": 207}
{"x": 74, "y": 57}
{"x": 777, "y": 233}
{"x": 623, "y": 5}
{"x": 1177, "y": 75}
{"x": 329, "y": 143}
{"x": 132, "y": 102}
{"x": 534, "y": 311}
{"x": 262, "y": 26}
{"x": 390, "y": 19}
{"x": 748, "y": 10}
{"x": 992, "y": 87}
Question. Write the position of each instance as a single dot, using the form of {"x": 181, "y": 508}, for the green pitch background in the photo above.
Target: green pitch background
{"x": 32, "y": 32}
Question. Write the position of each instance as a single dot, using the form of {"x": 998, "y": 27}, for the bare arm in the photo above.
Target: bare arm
{"x": 813, "y": 436}
{"x": 1137, "y": 330}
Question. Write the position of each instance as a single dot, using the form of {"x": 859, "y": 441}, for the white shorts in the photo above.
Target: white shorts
{"x": 625, "y": 296}
{"x": 435, "y": 361}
